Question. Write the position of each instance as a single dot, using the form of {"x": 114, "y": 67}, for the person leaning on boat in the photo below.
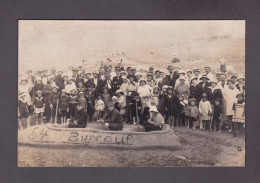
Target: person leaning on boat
{"x": 155, "y": 122}
{"x": 113, "y": 119}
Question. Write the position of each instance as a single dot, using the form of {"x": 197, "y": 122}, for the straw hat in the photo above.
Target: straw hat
{"x": 204, "y": 77}
{"x": 188, "y": 70}
{"x": 182, "y": 78}
{"x": 213, "y": 80}
{"x": 170, "y": 67}
{"x": 240, "y": 76}
{"x": 165, "y": 87}
{"x": 181, "y": 72}
{"x": 185, "y": 102}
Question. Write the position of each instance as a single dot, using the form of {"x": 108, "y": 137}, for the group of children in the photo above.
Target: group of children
{"x": 188, "y": 99}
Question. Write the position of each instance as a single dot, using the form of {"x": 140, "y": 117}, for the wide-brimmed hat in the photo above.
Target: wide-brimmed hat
{"x": 240, "y": 77}
{"x": 38, "y": 79}
{"x": 218, "y": 73}
{"x": 124, "y": 77}
{"x": 142, "y": 80}
{"x": 165, "y": 87}
{"x": 204, "y": 77}
{"x": 204, "y": 95}
{"x": 193, "y": 78}
{"x": 53, "y": 69}
{"x": 207, "y": 67}
{"x": 186, "y": 102}
{"x": 181, "y": 72}
{"x": 39, "y": 92}
{"x": 193, "y": 99}
{"x": 183, "y": 78}
{"x": 153, "y": 108}
{"x": 170, "y": 67}
{"x": 156, "y": 87}
{"x": 213, "y": 80}
{"x": 231, "y": 81}
{"x": 138, "y": 74}
{"x": 169, "y": 88}
{"x": 196, "y": 70}
{"x": 24, "y": 78}
{"x": 233, "y": 76}
{"x": 119, "y": 91}
{"x": 188, "y": 70}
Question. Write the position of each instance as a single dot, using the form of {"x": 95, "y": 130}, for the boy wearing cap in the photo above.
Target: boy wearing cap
{"x": 73, "y": 102}
{"x": 113, "y": 119}
{"x": 38, "y": 105}
{"x": 55, "y": 95}
{"x": 171, "y": 100}
{"x": 63, "y": 106}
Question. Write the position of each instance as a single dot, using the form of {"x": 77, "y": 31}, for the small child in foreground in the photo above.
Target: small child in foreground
{"x": 239, "y": 115}
{"x": 193, "y": 113}
{"x": 38, "y": 105}
{"x": 217, "y": 115}
{"x": 64, "y": 106}
{"x": 205, "y": 111}
{"x": 99, "y": 107}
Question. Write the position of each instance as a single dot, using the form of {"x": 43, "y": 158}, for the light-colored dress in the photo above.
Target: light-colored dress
{"x": 205, "y": 109}
{"x": 229, "y": 98}
{"x": 239, "y": 113}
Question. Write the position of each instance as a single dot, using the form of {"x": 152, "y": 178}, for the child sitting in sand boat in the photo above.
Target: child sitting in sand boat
{"x": 155, "y": 121}
{"x": 113, "y": 120}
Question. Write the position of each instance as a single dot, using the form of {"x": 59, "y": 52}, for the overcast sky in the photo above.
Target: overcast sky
{"x": 43, "y": 44}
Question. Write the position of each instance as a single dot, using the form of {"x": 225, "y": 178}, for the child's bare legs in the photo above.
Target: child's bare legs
{"x": 203, "y": 124}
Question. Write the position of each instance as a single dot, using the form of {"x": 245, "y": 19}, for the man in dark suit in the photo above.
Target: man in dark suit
{"x": 173, "y": 76}
{"x": 96, "y": 81}
{"x": 109, "y": 84}
{"x": 117, "y": 80}
{"x": 163, "y": 81}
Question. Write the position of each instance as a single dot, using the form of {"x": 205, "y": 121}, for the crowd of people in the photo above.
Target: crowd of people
{"x": 180, "y": 98}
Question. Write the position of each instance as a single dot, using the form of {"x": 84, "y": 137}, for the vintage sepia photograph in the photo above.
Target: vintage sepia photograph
{"x": 113, "y": 93}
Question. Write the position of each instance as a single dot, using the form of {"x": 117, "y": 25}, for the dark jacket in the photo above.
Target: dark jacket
{"x": 171, "y": 81}
{"x": 54, "y": 98}
{"x": 170, "y": 104}
{"x": 212, "y": 96}
{"x": 202, "y": 89}
{"x": 115, "y": 120}
{"x": 59, "y": 82}
{"x": 117, "y": 82}
{"x": 64, "y": 102}
{"x": 81, "y": 117}
{"x": 163, "y": 82}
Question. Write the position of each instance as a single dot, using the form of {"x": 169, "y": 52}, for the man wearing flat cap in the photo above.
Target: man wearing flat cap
{"x": 113, "y": 119}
